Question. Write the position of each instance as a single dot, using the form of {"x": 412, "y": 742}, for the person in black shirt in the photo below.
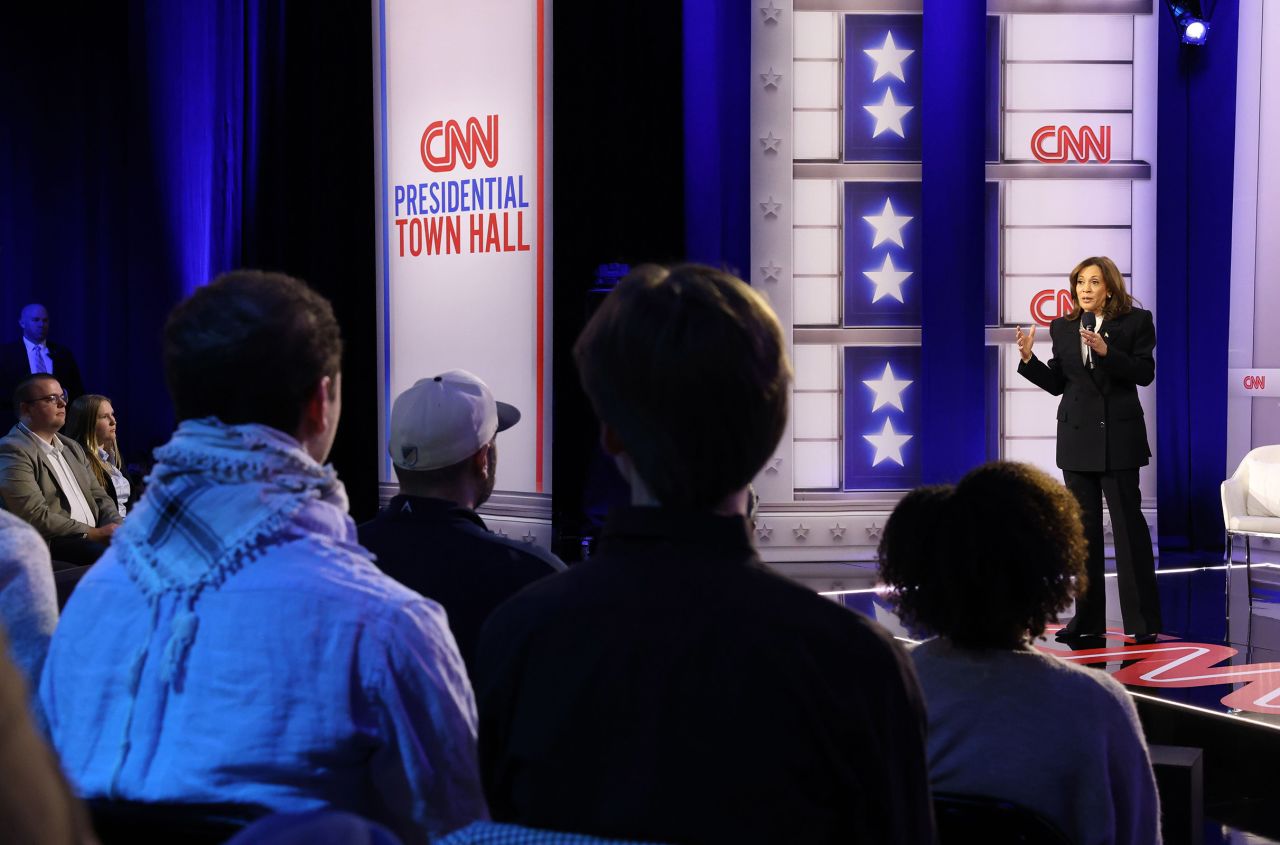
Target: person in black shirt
{"x": 444, "y": 449}
{"x": 672, "y": 688}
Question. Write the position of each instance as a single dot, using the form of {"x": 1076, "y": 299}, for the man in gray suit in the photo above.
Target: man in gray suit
{"x": 45, "y": 478}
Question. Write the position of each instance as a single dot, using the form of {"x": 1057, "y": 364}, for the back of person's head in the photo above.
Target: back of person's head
{"x": 987, "y": 563}
{"x": 250, "y": 347}
{"x": 687, "y": 365}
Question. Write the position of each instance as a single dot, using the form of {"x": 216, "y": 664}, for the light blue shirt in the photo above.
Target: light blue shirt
{"x": 314, "y": 681}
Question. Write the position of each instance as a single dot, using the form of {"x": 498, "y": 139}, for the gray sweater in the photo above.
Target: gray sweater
{"x": 28, "y": 599}
{"x": 1042, "y": 732}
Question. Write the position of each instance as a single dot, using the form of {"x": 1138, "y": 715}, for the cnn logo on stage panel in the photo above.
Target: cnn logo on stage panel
{"x": 446, "y": 142}
{"x": 1056, "y": 144}
{"x": 1254, "y": 382}
{"x": 1049, "y": 304}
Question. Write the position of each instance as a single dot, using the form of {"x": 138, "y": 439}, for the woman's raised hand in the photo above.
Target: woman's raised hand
{"x": 1025, "y": 342}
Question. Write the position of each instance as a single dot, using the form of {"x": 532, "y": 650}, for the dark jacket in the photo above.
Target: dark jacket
{"x": 446, "y": 553}
{"x": 1100, "y": 422}
{"x": 16, "y": 366}
{"x": 30, "y": 488}
{"x": 673, "y": 689}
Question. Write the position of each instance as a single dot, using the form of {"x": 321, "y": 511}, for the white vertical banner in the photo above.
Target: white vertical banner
{"x": 462, "y": 122}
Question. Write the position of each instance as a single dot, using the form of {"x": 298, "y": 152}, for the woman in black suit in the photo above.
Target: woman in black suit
{"x": 1102, "y": 436}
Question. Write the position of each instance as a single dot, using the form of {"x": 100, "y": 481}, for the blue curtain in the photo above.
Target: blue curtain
{"x": 717, "y": 124}
{"x": 146, "y": 147}
{"x": 953, "y": 434}
{"x": 1194, "y": 173}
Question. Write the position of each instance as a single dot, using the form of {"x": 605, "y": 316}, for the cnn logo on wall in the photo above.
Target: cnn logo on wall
{"x": 1057, "y": 144}
{"x": 446, "y": 142}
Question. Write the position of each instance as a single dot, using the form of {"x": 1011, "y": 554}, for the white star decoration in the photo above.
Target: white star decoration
{"x": 771, "y": 13}
{"x": 888, "y": 115}
{"x": 837, "y": 532}
{"x": 772, "y": 272}
{"x": 888, "y": 280}
{"x": 888, "y": 390}
{"x": 772, "y": 79}
{"x": 770, "y": 142}
{"x": 888, "y": 444}
{"x": 888, "y": 225}
{"x": 771, "y": 207}
{"x": 775, "y": 464}
{"x": 801, "y": 531}
{"x": 530, "y": 537}
{"x": 763, "y": 531}
{"x": 889, "y": 59}
{"x": 874, "y": 531}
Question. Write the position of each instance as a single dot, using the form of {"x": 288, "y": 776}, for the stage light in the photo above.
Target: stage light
{"x": 1191, "y": 20}
{"x": 1195, "y": 32}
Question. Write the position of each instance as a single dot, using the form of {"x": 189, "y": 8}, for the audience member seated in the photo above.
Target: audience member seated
{"x": 985, "y": 566}
{"x": 236, "y": 645}
{"x": 45, "y": 477}
{"x": 672, "y": 688}
{"x": 91, "y": 422}
{"x": 36, "y": 805}
{"x": 33, "y": 353}
{"x": 444, "y": 447}
{"x": 28, "y": 599}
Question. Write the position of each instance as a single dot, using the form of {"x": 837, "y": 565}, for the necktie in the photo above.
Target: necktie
{"x": 42, "y": 360}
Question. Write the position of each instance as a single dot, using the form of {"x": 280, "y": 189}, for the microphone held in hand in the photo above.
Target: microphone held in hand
{"x": 1089, "y": 321}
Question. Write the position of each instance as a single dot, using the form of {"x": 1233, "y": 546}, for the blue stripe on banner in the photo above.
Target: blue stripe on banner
{"x": 882, "y": 254}
{"x": 882, "y": 94}
{"x": 881, "y": 417}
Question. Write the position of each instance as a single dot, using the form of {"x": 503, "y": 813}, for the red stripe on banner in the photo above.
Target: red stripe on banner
{"x": 540, "y": 305}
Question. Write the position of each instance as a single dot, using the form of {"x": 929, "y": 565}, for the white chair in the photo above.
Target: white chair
{"x": 1251, "y": 508}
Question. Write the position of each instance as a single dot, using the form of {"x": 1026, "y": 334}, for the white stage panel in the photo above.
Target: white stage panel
{"x": 817, "y": 465}
{"x": 815, "y": 202}
{"x": 1040, "y": 452}
{"x": 815, "y": 367}
{"x": 817, "y": 135}
{"x": 817, "y": 252}
{"x": 1069, "y": 38}
{"x": 817, "y": 35}
{"x": 1030, "y": 413}
{"x": 817, "y": 300}
{"x": 1057, "y": 251}
{"x": 1068, "y": 202}
{"x": 1069, "y": 86}
{"x": 816, "y": 415}
{"x": 817, "y": 85}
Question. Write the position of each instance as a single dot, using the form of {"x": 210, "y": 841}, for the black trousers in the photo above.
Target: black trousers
{"x": 74, "y": 551}
{"x": 1135, "y": 563}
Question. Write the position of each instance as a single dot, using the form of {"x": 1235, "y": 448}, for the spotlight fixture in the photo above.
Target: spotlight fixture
{"x": 1191, "y": 20}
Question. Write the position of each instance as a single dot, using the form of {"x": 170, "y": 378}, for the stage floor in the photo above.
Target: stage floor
{"x": 1211, "y": 681}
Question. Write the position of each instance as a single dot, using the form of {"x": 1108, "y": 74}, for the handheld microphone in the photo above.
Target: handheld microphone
{"x": 1089, "y": 320}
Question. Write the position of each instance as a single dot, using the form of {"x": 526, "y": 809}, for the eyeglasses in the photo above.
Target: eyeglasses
{"x": 52, "y": 399}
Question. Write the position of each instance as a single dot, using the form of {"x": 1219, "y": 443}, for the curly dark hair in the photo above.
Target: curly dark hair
{"x": 987, "y": 562}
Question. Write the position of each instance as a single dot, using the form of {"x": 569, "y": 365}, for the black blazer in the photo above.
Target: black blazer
{"x": 1100, "y": 421}
{"x": 15, "y": 366}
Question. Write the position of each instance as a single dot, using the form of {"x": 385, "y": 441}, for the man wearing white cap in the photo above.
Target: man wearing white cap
{"x": 443, "y": 445}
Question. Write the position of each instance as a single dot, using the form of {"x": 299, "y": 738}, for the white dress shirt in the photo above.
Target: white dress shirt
{"x": 1084, "y": 347}
{"x": 38, "y": 357}
{"x": 57, "y": 461}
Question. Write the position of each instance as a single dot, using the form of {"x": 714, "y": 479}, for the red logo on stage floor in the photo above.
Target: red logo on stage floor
{"x": 1047, "y": 305}
{"x": 445, "y": 142}
{"x": 1055, "y": 144}
{"x": 1252, "y": 382}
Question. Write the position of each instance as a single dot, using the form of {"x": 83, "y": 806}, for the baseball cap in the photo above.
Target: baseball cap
{"x": 445, "y": 419}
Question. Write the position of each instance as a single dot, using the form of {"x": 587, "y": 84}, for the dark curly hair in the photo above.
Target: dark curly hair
{"x": 987, "y": 562}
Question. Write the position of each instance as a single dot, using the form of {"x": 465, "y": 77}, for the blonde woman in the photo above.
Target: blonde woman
{"x": 91, "y": 420}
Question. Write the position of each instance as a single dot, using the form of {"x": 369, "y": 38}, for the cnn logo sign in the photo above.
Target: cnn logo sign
{"x": 1255, "y": 382}
{"x": 446, "y": 142}
{"x": 1056, "y": 144}
{"x": 1048, "y": 305}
